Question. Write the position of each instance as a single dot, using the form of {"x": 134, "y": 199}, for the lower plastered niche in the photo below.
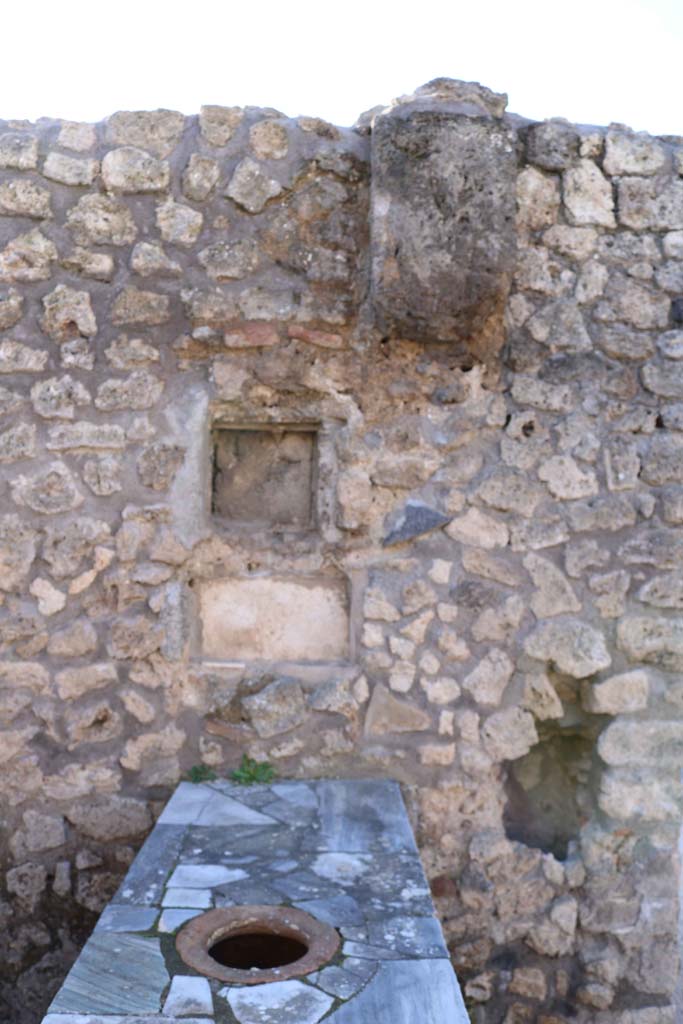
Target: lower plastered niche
{"x": 548, "y": 789}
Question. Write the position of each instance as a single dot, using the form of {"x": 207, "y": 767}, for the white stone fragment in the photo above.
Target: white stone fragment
{"x": 187, "y": 995}
{"x": 277, "y": 1002}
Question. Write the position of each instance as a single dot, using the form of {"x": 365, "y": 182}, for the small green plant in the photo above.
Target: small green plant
{"x": 200, "y": 773}
{"x": 251, "y": 772}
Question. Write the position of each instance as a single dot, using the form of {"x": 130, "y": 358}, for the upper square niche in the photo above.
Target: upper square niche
{"x": 264, "y": 475}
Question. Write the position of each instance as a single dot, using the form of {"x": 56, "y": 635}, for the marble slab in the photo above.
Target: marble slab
{"x": 341, "y": 850}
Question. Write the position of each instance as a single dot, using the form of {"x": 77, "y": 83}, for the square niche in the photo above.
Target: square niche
{"x": 264, "y": 475}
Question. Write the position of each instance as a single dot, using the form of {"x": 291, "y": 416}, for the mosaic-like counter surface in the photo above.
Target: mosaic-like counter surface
{"x": 341, "y": 850}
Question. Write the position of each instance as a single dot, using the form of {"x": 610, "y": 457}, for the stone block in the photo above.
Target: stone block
{"x": 274, "y": 618}
{"x": 443, "y": 182}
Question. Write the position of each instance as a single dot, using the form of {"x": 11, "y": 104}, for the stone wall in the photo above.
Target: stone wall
{"x": 311, "y": 452}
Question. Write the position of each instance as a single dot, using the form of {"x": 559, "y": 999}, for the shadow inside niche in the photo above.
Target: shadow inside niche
{"x": 548, "y": 794}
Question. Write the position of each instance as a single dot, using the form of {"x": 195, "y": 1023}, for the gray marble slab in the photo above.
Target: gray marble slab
{"x": 146, "y": 878}
{"x": 114, "y": 974}
{"x": 89, "y": 1018}
{"x": 407, "y": 992}
{"x": 361, "y": 815}
{"x": 127, "y": 919}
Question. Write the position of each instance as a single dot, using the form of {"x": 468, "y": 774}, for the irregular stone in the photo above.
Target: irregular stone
{"x": 68, "y": 544}
{"x": 70, "y": 170}
{"x": 178, "y": 224}
{"x": 251, "y": 187}
{"x": 633, "y": 303}
{"x": 200, "y": 177}
{"x": 540, "y": 697}
{"x": 11, "y": 308}
{"x": 27, "y": 257}
{"x": 644, "y": 203}
{"x": 671, "y": 344}
{"x": 68, "y": 314}
{"x": 632, "y": 153}
{"x": 663, "y": 463}
{"x": 22, "y": 198}
{"x": 538, "y": 199}
{"x": 418, "y": 150}
{"x": 158, "y": 464}
{"x": 85, "y": 435}
{"x": 389, "y": 714}
{"x": 27, "y": 675}
{"x": 610, "y": 589}
{"x": 552, "y": 144}
{"x": 158, "y": 131}
{"x": 509, "y": 734}
{"x": 49, "y": 491}
{"x": 73, "y": 683}
{"x": 663, "y": 380}
{"x": 101, "y": 220}
{"x": 652, "y": 639}
{"x": 479, "y": 529}
{"x": 40, "y": 832}
{"x": 134, "y": 638}
{"x": 414, "y": 520}
{"x": 132, "y": 170}
{"x": 648, "y": 742}
{"x": 133, "y": 306}
{"x": 27, "y": 882}
{"x": 640, "y": 795}
{"x": 281, "y": 1000}
{"x": 149, "y": 258}
{"x": 18, "y": 358}
{"x": 554, "y": 594}
{"x": 269, "y": 140}
{"x": 73, "y": 641}
{"x": 560, "y": 325}
{"x": 660, "y": 547}
{"x": 50, "y": 599}
{"x": 487, "y": 682}
{"x": 620, "y": 694}
{"x": 663, "y": 591}
{"x": 541, "y": 395}
{"x": 442, "y": 690}
{"x": 219, "y": 124}
{"x": 566, "y": 480}
{"x": 141, "y": 390}
{"x": 76, "y": 135}
{"x": 154, "y": 746}
{"x": 601, "y": 514}
{"x": 18, "y": 443}
{"x": 224, "y": 261}
{"x": 10, "y": 401}
{"x": 136, "y": 705}
{"x": 575, "y": 648}
{"x": 588, "y": 195}
{"x": 92, "y": 723}
{"x": 58, "y": 397}
{"x": 277, "y": 708}
{"x": 18, "y": 152}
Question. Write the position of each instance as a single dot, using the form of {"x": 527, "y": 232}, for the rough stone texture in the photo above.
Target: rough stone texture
{"x": 483, "y": 589}
{"x": 423, "y": 202}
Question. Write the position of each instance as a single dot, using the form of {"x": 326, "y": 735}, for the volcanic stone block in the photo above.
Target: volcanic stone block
{"x": 443, "y": 218}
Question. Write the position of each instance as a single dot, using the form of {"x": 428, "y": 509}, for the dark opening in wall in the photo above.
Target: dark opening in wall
{"x": 264, "y": 474}
{"x": 548, "y": 789}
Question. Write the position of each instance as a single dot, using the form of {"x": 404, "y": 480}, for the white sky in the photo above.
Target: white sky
{"x": 592, "y": 61}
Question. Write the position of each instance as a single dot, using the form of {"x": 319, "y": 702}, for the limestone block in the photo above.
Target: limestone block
{"x": 219, "y": 124}
{"x": 640, "y": 794}
{"x": 133, "y": 306}
{"x": 18, "y": 151}
{"x": 132, "y": 170}
{"x": 49, "y": 491}
{"x": 620, "y": 694}
{"x": 538, "y": 199}
{"x": 652, "y": 639}
{"x": 179, "y": 224}
{"x": 269, "y": 140}
{"x": 58, "y": 397}
{"x": 633, "y": 153}
{"x": 573, "y": 646}
{"x": 141, "y": 390}
{"x": 22, "y": 198}
{"x": 158, "y": 131}
{"x": 509, "y": 734}
{"x": 663, "y": 591}
{"x": 225, "y": 261}
{"x": 251, "y": 186}
{"x": 566, "y": 479}
{"x": 389, "y": 714}
{"x": 73, "y": 641}
{"x": 106, "y": 818}
{"x": 101, "y": 220}
{"x": 487, "y": 682}
{"x": 554, "y": 594}
{"x": 70, "y": 170}
{"x": 28, "y": 257}
{"x": 200, "y": 178}
{"x": 73, "y": 683}
{"x": 18, "y": 443}
{"x": 274, "y": 618}
{"x": 648, "y": 742}
{"x": 663, "y": 463}
{"x": 68, "y": 314}
{"x": 443, "y": 181}
{"x": 540, "y": 697}
{"x": 644, "y": 203}
{"x": 277, "y": 708}
{"x": 588, "y": 195}
{"x": 478, "y": 529}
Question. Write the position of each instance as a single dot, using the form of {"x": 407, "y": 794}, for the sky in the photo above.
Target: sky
{"x": 591, "y": 61}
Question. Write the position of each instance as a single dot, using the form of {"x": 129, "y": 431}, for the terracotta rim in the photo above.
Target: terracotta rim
{"x": 196, "y": 938}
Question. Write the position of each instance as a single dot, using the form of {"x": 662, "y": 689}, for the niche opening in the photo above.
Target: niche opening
{"x": 548, "y": 789}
